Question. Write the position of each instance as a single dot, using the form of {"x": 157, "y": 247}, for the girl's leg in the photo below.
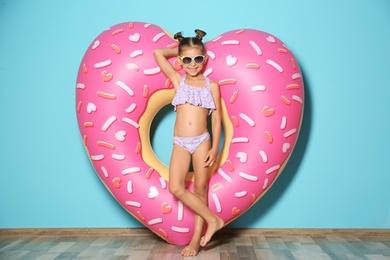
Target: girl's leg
{"x": 178, "y": 169}
{"x": 201, "y": 185}
{"x": 177, "y": 173}
{"x": 200, "y": 189}
{"x": 192, "y": 249}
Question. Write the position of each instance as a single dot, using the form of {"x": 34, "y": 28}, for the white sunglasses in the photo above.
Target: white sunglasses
{"x": 186, "y": 60}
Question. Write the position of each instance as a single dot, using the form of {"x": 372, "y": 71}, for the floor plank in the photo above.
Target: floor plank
{"x": 227, "y": 244}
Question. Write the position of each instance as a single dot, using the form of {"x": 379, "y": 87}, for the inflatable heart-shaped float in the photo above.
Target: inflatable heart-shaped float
{"x": 120, "y": 89}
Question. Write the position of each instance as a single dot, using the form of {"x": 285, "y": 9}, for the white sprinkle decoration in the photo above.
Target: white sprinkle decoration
{"x": 163, "y": 183}
{"x": 132, "y": 66}
{"x": 120, "y": 135}
{"x": 247, "y": 119}
{"x": 241, "y": 194}
{"x": 136, "y": 53}
{"x": 133, "y": 203}
{"x": 248, "y": 176}
{"x": 118, "y": 157}
{"x": 95, "y": 44}
{"x": 217, "y": 203}
{"x": 211, "y": 55}
{"x": 108, "y": 123}
{"x": 91, "y": 107}
{"x": 130, "y": 122}
{"x": 296, "y": 98}
{"x": 256, "y": 47}
{"x": 271, "y": 39}
{"x": 208, "y": 72}
{"x": 135, "y": 37}
{"x": 217, "y": 38}
{"x": 130, "y": 187}
{"x": 152, "y": 71}
{"x": 284, "y": 122}
{"x": 104, "y": 170}
{"x": 97, "y": 157}
{"x": 265, "y": 184}
{"x": 291, "y": 132}
{"x": 296, "y": 76}
{"x": 263, "y": 156}
{"x": 131, "y": 170}
{"x": 230, "y": 60}
{"x": 125, "y": 88}
{"x": 102, "y": 64}
{"x": 80, "y": 86}
{"x": 153, "y": 192}
{"x": 158, "y": 37}
{"x": 242, "y": 156}
{"x": 131, "y": 108}
{"x": 258, "y": 88}
{"x": 155, "y": 221}
{"x": 180, "y": 230}
{"x": 224, "y": 175}
{"x": 230, "y": 42}
{"x": 272, "y": 169}
{"x": 180, "y": 210}
{"x": 286, "y": 147}
{"x": 240, "y": 140}
{"x": 275, "y": 65}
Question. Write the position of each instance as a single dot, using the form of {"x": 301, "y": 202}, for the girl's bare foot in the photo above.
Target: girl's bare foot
{"x": 211, "y": 229}
{"x": 192, "y": 249}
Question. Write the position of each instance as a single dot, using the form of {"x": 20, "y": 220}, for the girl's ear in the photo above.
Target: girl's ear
{"x": 206, "y": 58}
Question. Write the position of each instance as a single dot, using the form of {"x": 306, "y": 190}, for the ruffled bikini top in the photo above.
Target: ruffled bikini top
{"x": 194, "y": 95}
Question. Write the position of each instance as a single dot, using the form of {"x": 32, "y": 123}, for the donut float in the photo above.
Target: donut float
{"x": 120, "y": 89}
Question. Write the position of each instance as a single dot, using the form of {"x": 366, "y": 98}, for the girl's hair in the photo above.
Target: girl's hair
{"x": 190, "y": 41}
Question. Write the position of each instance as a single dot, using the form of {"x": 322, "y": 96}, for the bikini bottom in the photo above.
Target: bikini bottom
{"x": 191, "y": 143}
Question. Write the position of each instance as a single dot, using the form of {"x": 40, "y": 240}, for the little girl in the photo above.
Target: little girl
{"x": 196, "y": 97}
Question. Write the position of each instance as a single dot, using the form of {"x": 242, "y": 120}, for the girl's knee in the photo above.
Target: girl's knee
{"x": 200, "y": 190}
{"x": 176, "y": 190}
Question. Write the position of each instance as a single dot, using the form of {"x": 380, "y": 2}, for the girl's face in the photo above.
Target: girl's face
{"x": 192, "y": 59}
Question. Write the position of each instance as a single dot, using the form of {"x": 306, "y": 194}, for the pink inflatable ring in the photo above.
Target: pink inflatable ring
{"x": 120, "y": 89}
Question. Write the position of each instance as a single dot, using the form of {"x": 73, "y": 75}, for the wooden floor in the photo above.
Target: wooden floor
{"x": 141, "y": 244}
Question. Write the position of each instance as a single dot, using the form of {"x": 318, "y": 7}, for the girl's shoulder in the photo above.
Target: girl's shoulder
{"x": 213, "y": 84}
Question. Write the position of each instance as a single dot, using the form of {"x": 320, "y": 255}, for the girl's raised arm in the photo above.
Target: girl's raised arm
{"x": 162, "y": 55}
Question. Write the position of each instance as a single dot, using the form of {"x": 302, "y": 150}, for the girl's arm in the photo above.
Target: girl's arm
{"x": 216, "y": 124}
{"x": 162, "y": 55}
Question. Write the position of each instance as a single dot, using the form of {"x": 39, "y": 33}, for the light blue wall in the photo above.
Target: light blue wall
{"x": 338, "y": 176}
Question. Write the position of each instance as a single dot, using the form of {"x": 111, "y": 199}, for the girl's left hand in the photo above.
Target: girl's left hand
{"x": 210, "y": 159}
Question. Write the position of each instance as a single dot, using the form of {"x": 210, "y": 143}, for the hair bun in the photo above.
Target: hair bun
{"x": 200, "y": 34}
{"x": 178, "y": 36}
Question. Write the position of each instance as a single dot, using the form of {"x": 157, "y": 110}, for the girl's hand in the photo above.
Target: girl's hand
{"x": 210, "y": 158}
